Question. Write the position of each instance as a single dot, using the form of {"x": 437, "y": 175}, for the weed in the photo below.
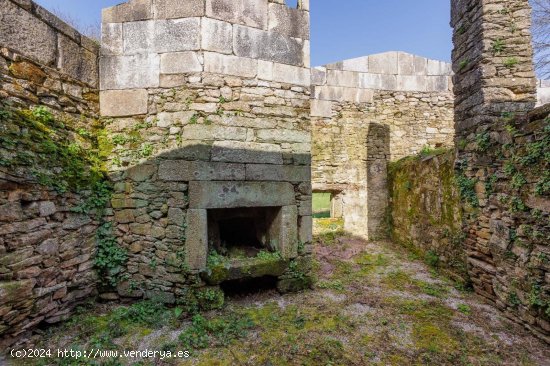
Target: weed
{"x": 518, "y": 180}
{"x": 215, "y": 259}
{"x": 301, "y": 247}
{"x": 5, "y": 115}
{"x": 43, "y": 114}
{"x": 535, "y": 296}
{"x": 498, "y": 46}
{"x": 513, "y": 299}
{"x": 119, "y": 140}
{"x": 508, "y": 116}
{"x": 426, "y": 150}
{"x": 432, "y": 289}
{"x": 145, "y": 124}
{"x": 535, "y": 152}
{"x": 466, "y": 188}
{"x": 147, "y": 312}
{"x": 332, "y": 285}
{"x": 110, "y": 257}
{"x": 101, "y": 193}
{"x": 432, "y": 259}
{"x": 295, "y": 272}
{"x": 463, "y": 64}
{"x": 542, "y": 187}
{"x": 511, "y": 130}
{"x": 146, "y": 150}
{"x": 464, "y": 309}
{"x": 210, "y": 298}
{"x": 218, "y": 331}
{"x": 517, "y": 205}
{"x": 483, "y": 141}
{"x": 511, "y": 62}
{"x": 269, "y": 256}
{"x": 84, "y": 133}
{"x": 509, "y": 168}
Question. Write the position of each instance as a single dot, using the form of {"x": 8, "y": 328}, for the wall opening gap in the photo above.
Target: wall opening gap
{"x": 327, "y": 205}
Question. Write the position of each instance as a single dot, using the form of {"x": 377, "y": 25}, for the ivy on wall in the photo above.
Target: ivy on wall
{"x": 55, "y": 152}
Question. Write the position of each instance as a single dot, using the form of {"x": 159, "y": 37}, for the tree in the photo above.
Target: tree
{"x": 541, "y": 37}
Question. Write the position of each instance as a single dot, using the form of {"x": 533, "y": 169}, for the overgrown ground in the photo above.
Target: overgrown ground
{"x": 374, "y": 304}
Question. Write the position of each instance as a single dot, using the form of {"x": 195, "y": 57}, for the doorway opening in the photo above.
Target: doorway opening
{"x": 327, "y": 205}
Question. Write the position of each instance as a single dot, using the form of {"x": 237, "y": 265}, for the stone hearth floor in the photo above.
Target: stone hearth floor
{"x": 374, "y": 304}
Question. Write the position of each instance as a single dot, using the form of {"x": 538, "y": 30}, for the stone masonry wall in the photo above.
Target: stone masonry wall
{"x": 502, "y": 159}
{"x": 46, "y": 249}
{"x": 426, "y": 213}
{"x": 209, "y": 102}
{"x": 407, "y": 97}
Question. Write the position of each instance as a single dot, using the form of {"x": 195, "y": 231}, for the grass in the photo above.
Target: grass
{"x": 321, "y": 205}
{"x": 375, "y": 306}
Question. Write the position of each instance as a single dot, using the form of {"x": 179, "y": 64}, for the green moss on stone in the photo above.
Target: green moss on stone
{"x": 46, "y": 148}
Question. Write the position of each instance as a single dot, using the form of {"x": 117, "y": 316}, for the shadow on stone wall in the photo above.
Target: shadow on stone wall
{"x": 378, "y": 155}
{"x": 160, "y": 211}
{"x": 47, "y": 242}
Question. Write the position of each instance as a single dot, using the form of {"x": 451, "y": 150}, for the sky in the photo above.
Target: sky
{"x": 342, "y": 29}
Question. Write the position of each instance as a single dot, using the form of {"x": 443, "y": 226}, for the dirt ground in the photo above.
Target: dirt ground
{"x": 373, "y": 304}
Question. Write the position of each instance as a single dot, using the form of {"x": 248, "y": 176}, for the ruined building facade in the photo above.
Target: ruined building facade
{"x": 367, "y": 112}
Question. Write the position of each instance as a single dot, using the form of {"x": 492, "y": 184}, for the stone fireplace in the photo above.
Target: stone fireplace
{"x": 239, "y": 220}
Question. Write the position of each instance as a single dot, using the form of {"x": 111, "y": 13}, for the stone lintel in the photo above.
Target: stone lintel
{"x": 184, "y": 171}
{"x": 215, "y": 194}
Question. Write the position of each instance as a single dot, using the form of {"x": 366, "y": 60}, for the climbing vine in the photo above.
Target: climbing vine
{"x": 59, "y": 154}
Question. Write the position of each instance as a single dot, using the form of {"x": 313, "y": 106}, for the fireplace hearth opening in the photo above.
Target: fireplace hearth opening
{"x": 239, "y": 231}
{"x": 243, "y": 232}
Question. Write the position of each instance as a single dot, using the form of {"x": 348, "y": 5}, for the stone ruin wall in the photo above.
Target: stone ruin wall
{"x": 45, "y": 249}
{"x": 369, "y": 111}
{"x": 497, "y": 187}
{"x": 498, "y": 163}
{"x": 426, "y": 213}
{"x": 206, "y": 97}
